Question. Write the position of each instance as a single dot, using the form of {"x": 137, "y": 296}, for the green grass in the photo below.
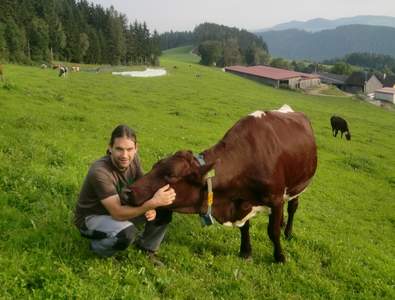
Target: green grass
{"x": 52, "y": 128}
{"x": 181, "y": 54}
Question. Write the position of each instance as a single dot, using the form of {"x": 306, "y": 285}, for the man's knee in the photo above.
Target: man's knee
{"x": 125, "y": 237}
{"x": 163, "y": 216}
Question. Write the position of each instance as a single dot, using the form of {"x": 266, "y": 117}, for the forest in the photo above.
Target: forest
{"x": 75, "y": 31}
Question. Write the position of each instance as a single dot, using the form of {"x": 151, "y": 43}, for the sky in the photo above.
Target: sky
{"x": 181, "y": 15}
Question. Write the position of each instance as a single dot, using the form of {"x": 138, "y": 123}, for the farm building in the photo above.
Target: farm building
{"x": 361, "y": 82}
{"x": 334, "y": 79}
{"x": 276, "y": 77}
{"x": 385, "y": 94}
{"x": 388, "y": 81}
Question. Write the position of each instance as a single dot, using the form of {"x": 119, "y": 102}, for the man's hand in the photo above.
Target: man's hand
{"x": 164, "y": 196}
{"x": 150, "y": 215}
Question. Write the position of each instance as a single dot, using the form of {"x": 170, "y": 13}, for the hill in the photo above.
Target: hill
{"x": 326, "y": 44}
{"x": 52, "y": 129}
{"x": 319, "y": 24}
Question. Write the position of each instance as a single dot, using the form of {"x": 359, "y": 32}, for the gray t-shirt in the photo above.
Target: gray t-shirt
{"x": 102, "y": 181}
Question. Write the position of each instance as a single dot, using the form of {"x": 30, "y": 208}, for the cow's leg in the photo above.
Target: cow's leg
{"x": 336, "y": 131}
{"x": 274, "y": 230}
{"x": 292, "y": 206}
{"x": 341, "y": 133}
{"x": 245, "y": 245}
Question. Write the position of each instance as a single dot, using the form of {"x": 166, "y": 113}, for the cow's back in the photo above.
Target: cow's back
{"x": 275, "y": 148}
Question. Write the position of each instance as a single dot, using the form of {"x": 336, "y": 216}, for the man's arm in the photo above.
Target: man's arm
{"x": 164, "y": 196}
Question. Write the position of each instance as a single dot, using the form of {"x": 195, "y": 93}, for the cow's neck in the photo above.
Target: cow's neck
{"x": 212, "y": 154}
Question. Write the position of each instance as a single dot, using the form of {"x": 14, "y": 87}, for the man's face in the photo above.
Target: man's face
{"x": 123, "y": 152}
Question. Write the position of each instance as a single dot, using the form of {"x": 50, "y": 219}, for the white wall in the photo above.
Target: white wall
{"x": 385, "y": 97}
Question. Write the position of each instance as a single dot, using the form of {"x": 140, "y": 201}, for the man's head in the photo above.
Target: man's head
{"x": 122, "y": 147}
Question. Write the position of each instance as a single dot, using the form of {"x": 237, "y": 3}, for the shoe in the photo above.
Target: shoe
{"x": 153, "y": 258}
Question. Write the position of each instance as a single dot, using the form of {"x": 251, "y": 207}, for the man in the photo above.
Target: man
{"x": 102, "y": 213}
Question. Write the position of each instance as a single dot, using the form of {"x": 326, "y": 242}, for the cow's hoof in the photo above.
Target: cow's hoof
{"x": 280, "y": 258}
{"x": 289, "y": 236}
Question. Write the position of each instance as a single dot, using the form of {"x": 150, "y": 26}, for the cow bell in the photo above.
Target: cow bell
{"x": 206, "y": 219}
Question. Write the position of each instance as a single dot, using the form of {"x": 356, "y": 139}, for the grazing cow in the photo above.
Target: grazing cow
{"x": 63, "y": 71}
{"x": 339, "y": 123}
{"x": 264, "y": 160}
{"x": 75, "y": 68}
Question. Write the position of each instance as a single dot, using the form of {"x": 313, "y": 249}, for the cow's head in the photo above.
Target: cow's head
{"x": 348, "y": 135}
{"x": 183, "y": 172}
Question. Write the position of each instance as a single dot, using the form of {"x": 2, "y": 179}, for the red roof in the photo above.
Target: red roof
{"x": 270, "y": 72}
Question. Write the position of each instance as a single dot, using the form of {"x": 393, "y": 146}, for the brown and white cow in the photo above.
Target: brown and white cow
{"x": 264, "y": 160}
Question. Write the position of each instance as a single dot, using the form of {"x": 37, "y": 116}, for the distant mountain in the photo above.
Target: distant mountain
{"x": 322, "y": 24}
{"x": 326, "y": 44}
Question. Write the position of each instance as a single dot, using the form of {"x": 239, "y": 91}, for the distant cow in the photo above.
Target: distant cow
{"x": 339, "y": 123}
{"x": 264, "y": 160}
{"x": 75, "y": 68}
{"x": 63, "y": 71}
{"x": 1, "y": 73}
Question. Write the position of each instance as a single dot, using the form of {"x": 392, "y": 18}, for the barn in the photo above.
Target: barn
{"x": 385, "y": 94}
{"x": 276, "y": 77}
{"x": 334, "y": 79}
{"x": 361, "y": 82}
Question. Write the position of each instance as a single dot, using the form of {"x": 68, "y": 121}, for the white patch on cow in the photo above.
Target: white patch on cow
{"x": 285, "y": 109}
{"x": 253, "y": 212}
{"x": 287, "y": 197}
{"x": 258, "y": 114}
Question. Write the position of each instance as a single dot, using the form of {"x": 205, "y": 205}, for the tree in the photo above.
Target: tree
{"x": 83, "y": 45}
{"x": 210, "y": 52}
{"x": 280, "y": 63}
{"x": 16, "y": 41}
{"x": 231, "y": 53}
{"x": 256, "y": 56}
{"x": 3, "y": 43}
{"x": 341, "y": 68}
{"x": 39, "y": 40}
{"x": 93, "y": 53}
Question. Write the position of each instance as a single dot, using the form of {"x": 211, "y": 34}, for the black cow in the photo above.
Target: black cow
{"x": 339, "y": 123}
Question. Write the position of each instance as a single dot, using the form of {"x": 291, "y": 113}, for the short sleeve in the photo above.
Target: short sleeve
{"x": 103, "y": 183}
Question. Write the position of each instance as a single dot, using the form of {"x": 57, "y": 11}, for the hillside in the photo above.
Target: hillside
{"x": 52, "y": 129}
{"x": 319, "y": 24}
{"x": 326, "y": 44}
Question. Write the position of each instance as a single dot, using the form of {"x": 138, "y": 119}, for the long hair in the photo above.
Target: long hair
{"x": 122, "y": 131}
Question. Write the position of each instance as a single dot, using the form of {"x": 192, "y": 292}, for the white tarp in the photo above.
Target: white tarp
{"x": 147, "y": 73}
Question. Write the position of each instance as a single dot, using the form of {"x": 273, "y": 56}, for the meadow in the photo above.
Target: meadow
{"x": 52, "y": 128}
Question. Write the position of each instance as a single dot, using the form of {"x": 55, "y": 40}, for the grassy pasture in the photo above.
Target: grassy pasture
{"x": 52, "y": 128}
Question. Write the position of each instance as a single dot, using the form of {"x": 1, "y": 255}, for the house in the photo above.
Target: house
{"x": 388, "y": 80}
{"x": 276, "y": 77}
{"x": 385, "y": 94}
{"x": 362, "y": 82}
{"x": 334, "y": 79}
